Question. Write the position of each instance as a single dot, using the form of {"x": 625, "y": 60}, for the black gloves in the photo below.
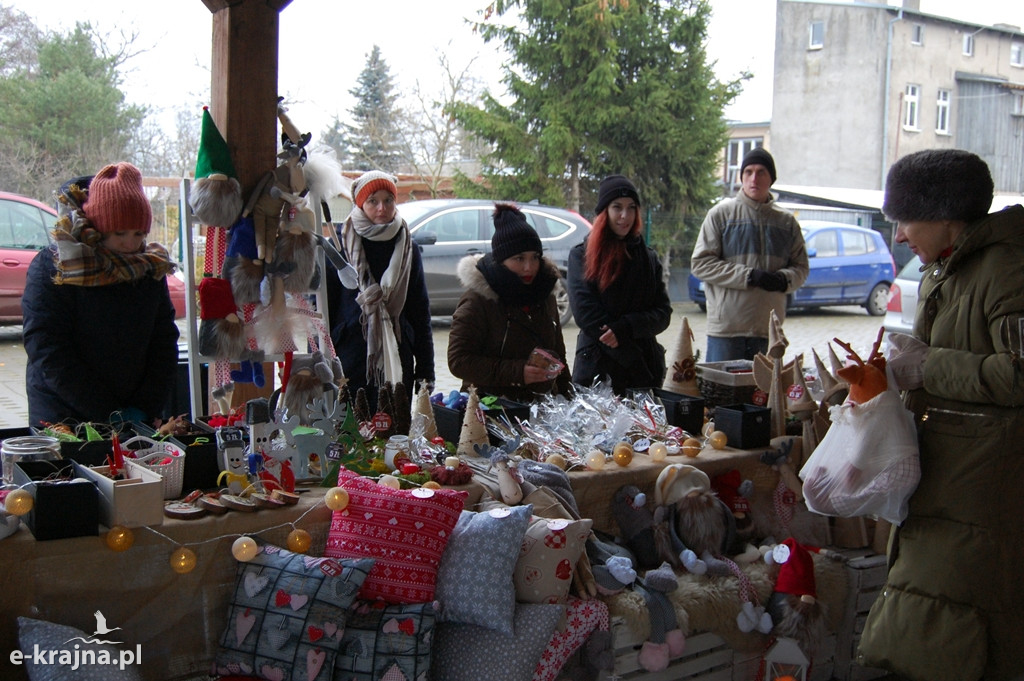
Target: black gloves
{"x": 769, "y": 281}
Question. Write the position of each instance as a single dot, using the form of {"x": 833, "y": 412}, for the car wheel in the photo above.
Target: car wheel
{"x": 562, "y": 301}
{"x": 878, "y": 300}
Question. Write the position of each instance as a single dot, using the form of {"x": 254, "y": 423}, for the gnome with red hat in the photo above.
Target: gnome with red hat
{"x": 794, "y": 605}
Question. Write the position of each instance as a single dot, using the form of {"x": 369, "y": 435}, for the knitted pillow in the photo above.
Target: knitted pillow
{"x": 45, "y": 635}
{"x": 474, "y": 581}
{"x": 405, "y": 531}
{"x": 287, "y": 614}
{"x": 464, "y": 652}
{"x": 386, "y": 642}
{"x": 550, "y": 549}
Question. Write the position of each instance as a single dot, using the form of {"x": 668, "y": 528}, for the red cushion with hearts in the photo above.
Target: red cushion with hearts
{"x": 405, "y": 531}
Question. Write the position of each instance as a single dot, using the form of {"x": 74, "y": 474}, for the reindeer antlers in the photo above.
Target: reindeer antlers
{"x": 875, "y": 350}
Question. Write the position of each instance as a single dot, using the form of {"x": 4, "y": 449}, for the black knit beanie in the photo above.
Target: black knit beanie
{"x": 614, "y": 187}
{"x": 938, "y": 184}
{"x": 759, "y": 156}
{"x": 512, "y": 234}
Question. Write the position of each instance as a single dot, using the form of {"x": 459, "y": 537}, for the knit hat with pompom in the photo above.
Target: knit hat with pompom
{"x": 372, "y": 181}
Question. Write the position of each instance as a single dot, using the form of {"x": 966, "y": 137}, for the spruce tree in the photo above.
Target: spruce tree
{"x": 371, "y": 143}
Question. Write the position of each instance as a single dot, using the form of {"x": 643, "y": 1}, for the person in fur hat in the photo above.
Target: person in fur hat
{"x": 618, "y": 296}
{"x": 99, "y": 326}
{"x": 950, "y": 608}
{"x": 507, "y": 312}
{"x": 380, "y": 317}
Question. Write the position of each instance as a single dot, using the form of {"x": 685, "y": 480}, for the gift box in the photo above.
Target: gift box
{"x": 134, "y": 501}
{"x": 684, "y": 411}
{"x": 200, "y": 447}
{"x": 729, "y": 382}
{"x": 449, "y": 421}
{"x": 65, "y": 505}
{"x": 745, "y": 425}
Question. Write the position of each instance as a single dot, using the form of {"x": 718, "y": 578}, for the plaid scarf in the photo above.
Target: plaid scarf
{"x": 81, "y": 260}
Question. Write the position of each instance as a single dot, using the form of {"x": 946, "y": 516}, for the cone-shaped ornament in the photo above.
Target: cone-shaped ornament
{"x": 682, "y": 375}
{"x": 474, "y": 431}
{"x": 423, "y": 412}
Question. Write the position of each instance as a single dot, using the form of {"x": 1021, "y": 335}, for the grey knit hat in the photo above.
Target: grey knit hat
{"x": 512, "y": 233}
{"x": 938, "y": 184}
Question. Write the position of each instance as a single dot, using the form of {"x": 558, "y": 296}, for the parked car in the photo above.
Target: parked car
{"x": 899, "y": 315}
{"x": 25, "y": 226}
{"x": 849, "y": 265}
{"x": 447, "y": 230}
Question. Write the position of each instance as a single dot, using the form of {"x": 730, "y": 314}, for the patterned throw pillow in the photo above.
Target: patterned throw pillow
{"x": 48, "y": 636}
{"x": 386, "y": 642}
{"x": 550, "y": 549}
{"x": 287, "y": 615}
{"x": 405, "y": 531}
{"x": 474, "y": 581}
{"x": 465, "y": 652}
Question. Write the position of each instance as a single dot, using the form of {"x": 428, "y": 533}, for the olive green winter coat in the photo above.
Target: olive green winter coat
{"x": 953, "y": 605}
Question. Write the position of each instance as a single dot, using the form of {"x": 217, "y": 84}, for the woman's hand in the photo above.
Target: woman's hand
{"x": 608, "y": 337}
{"x": 534, "y": 374}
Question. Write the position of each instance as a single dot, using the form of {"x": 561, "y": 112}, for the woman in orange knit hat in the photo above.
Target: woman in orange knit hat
{"x": 99, "y": 326}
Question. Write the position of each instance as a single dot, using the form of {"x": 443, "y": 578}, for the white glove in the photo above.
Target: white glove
{"x": 905, "y": 358}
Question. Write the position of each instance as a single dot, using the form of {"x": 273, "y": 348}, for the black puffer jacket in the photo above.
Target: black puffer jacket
{"x": 95, "y": 350}
{"x": 636, "y": 307}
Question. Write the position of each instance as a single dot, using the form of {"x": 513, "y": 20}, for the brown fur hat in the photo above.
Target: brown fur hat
{"x": 938, "y": 184}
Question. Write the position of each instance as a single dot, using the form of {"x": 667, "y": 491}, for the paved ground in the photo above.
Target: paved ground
{"x": 805, "y": 330}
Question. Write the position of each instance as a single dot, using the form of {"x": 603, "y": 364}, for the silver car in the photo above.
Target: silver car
{"x": 899, "y": 313}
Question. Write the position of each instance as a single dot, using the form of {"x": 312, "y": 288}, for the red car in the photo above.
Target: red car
{"x": 25, "y": 226}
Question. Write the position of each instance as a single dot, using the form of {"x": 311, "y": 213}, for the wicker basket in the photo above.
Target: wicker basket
{"x": 152, "y": 458}
{"x": 729, "y": 382}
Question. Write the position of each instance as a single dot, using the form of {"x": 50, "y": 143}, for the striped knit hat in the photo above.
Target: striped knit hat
{"x": 372, "y": 181}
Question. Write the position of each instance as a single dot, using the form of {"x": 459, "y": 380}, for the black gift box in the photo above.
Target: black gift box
{"x": 449, "y": 421}
{"x": 684, "y": 411}
{"x": 62, "y": 508}
{"x": 200, "y": 446}
{"x": 747, "y": 426}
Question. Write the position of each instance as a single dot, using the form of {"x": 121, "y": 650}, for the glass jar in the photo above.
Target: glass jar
{"x": 396, "y": 451}
{"x": 26, "y": 448}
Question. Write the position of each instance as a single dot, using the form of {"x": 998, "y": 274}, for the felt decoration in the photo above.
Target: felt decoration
{"x": 682, "y": 375}
{"x": 216, "y": 195}
{"x": 473, "y": 432}
{"x": 310, "y": 376}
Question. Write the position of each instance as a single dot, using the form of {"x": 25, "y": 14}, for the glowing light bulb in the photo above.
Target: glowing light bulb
{"x": 183, "y": 560}
{"x": 658, "y": 451}
{"x": 718, "y": 439}
{"x": 557, "y": 460}
{"x": 595, "y": 460}
{"x": 390, "y": 481}
{"x": 336, "y": 498}
{"x": 19, "y": 502}
{"x": 120, "y": 538}
{"x": 244, "y": 549}
{"x": 299, "y": 541}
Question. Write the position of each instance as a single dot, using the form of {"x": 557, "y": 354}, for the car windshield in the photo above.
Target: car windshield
{"x": 413, "y": 210}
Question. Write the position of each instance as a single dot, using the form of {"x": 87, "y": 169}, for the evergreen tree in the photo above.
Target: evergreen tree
{"x": 64, "y": 115}
{"x": 602, "y": 86}
{"x": 371, "y": 143}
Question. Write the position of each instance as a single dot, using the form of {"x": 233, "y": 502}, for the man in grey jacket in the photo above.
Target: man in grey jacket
{"x": 750, "y": 254}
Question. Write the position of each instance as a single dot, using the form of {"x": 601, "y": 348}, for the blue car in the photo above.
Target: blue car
{"x": 849, "y": 266}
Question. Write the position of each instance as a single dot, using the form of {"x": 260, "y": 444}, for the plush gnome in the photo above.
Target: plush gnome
{"x": 735, "y": 492}
{"x": 645, "y": 535}
{"x": 794, "y": 604}
{"x": 682, "y": 378}
{"x": 222, "y": 333}
{"x": 216, "y": 195}
{"x": 666, "y": 640}
{"x": 310, "y": 375}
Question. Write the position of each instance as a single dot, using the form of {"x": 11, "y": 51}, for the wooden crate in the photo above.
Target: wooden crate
{"x": 865, "y": 578}
{"x": 707, "y": 657}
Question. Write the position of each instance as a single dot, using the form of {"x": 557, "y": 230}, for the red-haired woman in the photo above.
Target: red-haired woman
{"x": 618, "y": 296}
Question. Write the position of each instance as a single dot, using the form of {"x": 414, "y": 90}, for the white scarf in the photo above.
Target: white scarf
{"x": 382, "y": 302}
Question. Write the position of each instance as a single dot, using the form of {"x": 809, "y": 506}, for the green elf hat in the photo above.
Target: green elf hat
{"x": 213, "y": 157}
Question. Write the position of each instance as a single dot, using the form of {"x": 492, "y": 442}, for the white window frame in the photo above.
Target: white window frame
{"x": 912, "y": 107}
{"x": 1018, "y": 103}
{"x": 917, "y": 34}
{"x": 1017, "y": 54}
{"x": 943, "y": 100}
{"x": 816, "y": 39}
{"x": 743, "y": 146}
{"x": 968, "y": 44}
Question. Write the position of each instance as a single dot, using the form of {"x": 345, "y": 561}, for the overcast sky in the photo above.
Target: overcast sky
{"x": 324, "y": 45}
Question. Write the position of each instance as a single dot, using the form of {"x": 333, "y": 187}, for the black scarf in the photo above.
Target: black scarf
{"x": 511, "y": 289}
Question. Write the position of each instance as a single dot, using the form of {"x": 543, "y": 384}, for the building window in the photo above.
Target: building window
{"x": 738, "y": 148}
{"x": 911, "y": 100}
{"x": 917, "y": 34}
{"x": 942, "y": 112}
{"x": 1017, "y": 54}
{"x": 1018, "y": 104}
{"x": 969, "y": 45}
{"x": 817, "y": 35}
